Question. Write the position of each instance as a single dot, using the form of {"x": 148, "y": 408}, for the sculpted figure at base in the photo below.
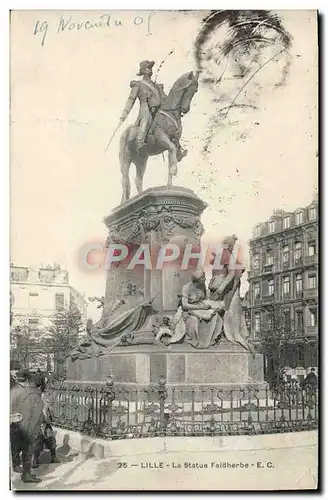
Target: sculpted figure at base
{"x": 195, "y": 309}
{"x": 118, "y": 331}
{"x": 225, "y": 285}
{"x": 207, "y": 316}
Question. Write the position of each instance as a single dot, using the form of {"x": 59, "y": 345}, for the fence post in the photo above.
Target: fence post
{"x": 90, "y": 424}
{"x": 162, "y": 394}
{"x": 110, "y": 396}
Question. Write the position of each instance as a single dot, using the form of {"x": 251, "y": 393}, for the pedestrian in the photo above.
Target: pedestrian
{"x": 311, "y": 380}
{"x": 25, "y": 399}
{"x": 12, "y": 380}
{"x": 16, "y": 389}
{"x": 310, "y": 386}
{"x": 47, "y": 439}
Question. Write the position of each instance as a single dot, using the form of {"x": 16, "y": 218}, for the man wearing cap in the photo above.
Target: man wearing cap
{"x": 25, "y": 400}
{"x": 150, "y": 95}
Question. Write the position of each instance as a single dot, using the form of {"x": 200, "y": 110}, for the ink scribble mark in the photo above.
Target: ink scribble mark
{"x": 162, "y": 62}
{"x": 232, "y": 51}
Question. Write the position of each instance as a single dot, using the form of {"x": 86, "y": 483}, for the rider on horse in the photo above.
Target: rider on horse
{"x": 151, "y": 96}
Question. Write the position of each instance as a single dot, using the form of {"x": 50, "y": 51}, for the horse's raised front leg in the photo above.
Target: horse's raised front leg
{"x": 140, "y": 163}
{"x": 164, "y": 141}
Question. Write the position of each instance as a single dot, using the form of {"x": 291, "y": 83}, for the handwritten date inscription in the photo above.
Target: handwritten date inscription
{"x": 67, "y": 23}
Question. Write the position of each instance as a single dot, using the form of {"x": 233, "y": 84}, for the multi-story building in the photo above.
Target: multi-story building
{"x": 284, "y": 271}
{"x": 36, "y": 294}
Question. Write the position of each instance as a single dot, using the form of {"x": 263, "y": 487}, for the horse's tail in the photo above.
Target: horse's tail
{"x": 123, "y": 144}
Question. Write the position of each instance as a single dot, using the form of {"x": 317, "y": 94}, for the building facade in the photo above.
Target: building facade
{"x": 36, "y": 294}
{"x": 284, "y": 254}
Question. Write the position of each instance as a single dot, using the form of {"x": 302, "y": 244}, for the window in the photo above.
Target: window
{"x": 257, "y": 231}
{"x": 285, "y": 254}
{"x": 312, "y": 281}
{"x": 271, "y": 227}
{"x": 33, "y": 321}
{"x": 256, "y": 290}
{"x": 299, "y": 283}
{"x": 286, "y": 285}
{"x": 20, "y": 274}
{"x": 286, "y": 224}
{"x": 34, "y": 298}
{"x": 299, "y": 217}
{"x": 257, "y": 322}
{"x": 269, "y": 258}
{"x": 256, "y": 261}
{"x": 59, "y": 301}
{"x": 269, "y": 320}
{"x": 286, "y": 316}
{"x": 298, "y": 251}
{"x": 311, "y": 249}
{"x": 270, "y": 287}
{"x": 313, "y": 213}
{"x": 299, "y": 320}
{"x": 301, "y": 361}
{"x": 313, "y": 316}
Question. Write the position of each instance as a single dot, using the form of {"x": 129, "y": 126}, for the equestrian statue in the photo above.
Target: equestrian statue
{"x": 158, "y": 127}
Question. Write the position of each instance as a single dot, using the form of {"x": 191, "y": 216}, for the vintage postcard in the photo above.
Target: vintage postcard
{"x": 164, "y": 250}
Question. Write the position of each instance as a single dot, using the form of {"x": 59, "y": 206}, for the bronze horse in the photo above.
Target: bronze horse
{"x": 164, "y": 135}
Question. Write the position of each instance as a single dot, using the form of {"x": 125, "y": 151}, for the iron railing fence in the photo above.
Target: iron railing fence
{"x": 118, "y": 413}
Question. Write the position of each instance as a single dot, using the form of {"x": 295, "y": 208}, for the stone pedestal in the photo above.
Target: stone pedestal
{"x": 182, "y": 366}
{"x": 156, "y": 217}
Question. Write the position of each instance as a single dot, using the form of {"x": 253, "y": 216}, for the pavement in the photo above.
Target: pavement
{"x": 187, "y": 464}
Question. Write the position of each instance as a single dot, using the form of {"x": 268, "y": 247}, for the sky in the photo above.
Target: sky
{"x": 68, "y": 88}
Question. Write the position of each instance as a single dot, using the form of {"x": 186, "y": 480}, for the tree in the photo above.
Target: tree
{"x": 27, "y": 344}
{"x": 100, "y": 300}
{"x": 66, "y": 326}
{"x": 277, "y": 335}
{"x": 11, "y": 314}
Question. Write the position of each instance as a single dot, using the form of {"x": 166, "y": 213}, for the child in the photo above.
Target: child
{"x": 47, "y": 439}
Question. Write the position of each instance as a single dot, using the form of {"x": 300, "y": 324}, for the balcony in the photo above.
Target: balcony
{"x": 19, "y": 274}
{"x": 310, "y": 260}
{"x": 299, "y": 332}
{"x": 255, "y": 271}
{"x": 257, "y": 335}
{"x": 311, "y": 330}
{"x": 267, "y": 299}
{"x": 298, "y": 262}
{"x": 46, "y": 275}
{"x": 310, "y": 293}
{"x": 268, "y": 268}
{"x": 286, "y": 297}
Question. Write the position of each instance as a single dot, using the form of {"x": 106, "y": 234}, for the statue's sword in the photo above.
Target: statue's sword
{"x": 113, "y": 135}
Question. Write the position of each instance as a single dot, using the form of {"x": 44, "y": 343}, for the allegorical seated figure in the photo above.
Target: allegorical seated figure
{"x": 201, "y": 320}
{"x": 195, "y": 308}
{"x": 114, "y": 330}
{"x": 225, "y": 285}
